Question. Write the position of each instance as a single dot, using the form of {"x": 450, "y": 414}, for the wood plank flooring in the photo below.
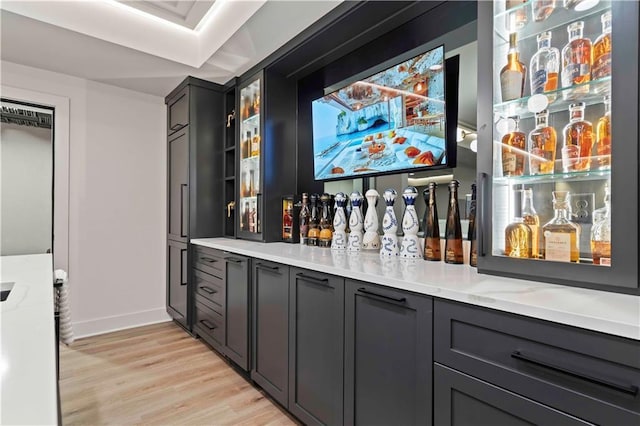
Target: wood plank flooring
{"x": 157, "y": 375}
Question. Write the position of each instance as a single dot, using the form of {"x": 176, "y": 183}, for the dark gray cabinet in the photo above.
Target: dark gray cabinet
{"x": 177, "y": 270}
{"x": 178, "y": 111}
{"x": 316, "y": 339}
{"x": 237, "y": 309}
{"x": 388, "y": 356}
{"x": 270, "y": 347}
{"x": 462, "y": 400}
{"x": 178, "y": 177}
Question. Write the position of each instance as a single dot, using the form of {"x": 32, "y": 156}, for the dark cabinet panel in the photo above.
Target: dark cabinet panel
{"x": 179, "y": 186}
{"x": 388, "y": 357}
{"x": 271, "y": 328}
{"x": 178, "y": 111}
{"x": 237, "y": 315}
{"x": 209, "y": 260}
{"x": 316, "y": 338}
{"x": 177, "y": 270}
{"x": 208, "y": 324}
{"x": 461, "y": 400}
{"x": 211, "y": 288}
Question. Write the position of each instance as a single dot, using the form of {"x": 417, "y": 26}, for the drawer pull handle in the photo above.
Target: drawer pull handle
{"x": 233, "y": 259}
{"x": 208, "y": 324}
{"x": 382, "y": 296}
{"x": 629, "y": 389}
{"x": 320, "y": 281}
{"x": 208, "y": 259}
{"x": 208, "y": 289}
{"x": 267, "y": 267}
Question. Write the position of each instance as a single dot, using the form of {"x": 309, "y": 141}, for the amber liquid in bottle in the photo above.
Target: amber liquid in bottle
{"x": 305, "y": 218}
{"x": 530, "y": 217}
{"x": 326, "y": 222}
{"x": 287, "y": 220}
{"x": 431, "y": 227}
{"x": 542, "y": 9}
{"x": 314, "y": 221}
{"x": 516, "y": 19}
{"x": 513, "y": 151}
{"x": 542, "y": 146}
{"x": 603, "y": 132}
{"x": 578, "y": 141}
{"x": 602, "y": 50}
{"x": 513, "y": 74}
{"x": 473, "y": 251}
{"x": 518, "y": 236}
{"x": 453, "y": 231}
{"x": 255, "y": 143}
{"x": 576, "y": 59}
{"x": 560, "y": 235}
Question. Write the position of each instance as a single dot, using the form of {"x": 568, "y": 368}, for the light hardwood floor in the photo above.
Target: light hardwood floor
{"x": 156, "y": 375}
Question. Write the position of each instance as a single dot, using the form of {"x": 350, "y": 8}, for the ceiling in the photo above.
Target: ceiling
{"x": 151, "y": 46}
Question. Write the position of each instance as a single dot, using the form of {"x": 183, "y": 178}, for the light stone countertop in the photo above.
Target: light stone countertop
{"x": 27, "y": 342}
{"x": 611, "y": 313}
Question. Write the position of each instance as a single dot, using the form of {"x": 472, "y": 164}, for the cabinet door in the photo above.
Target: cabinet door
{"x": 237, "y": 290}
{"x": 178, "y": 178}
{"x": 178, "y": 111}
{"x": 388, "y": 358}
{"x": 316, "y": 337}
{"x": 461, "y": 400}
{"x": 177, "y": 281}
{"x": 271, "y": 328}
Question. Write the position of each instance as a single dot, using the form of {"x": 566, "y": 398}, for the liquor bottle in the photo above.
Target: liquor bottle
{"x": 453, "y": 230}
{"x": 513, "y": 150}
{"x": 576, "y": 59}
{"x": 542, "y": 146}
{"x": 255, "y": 143}
{"x": 305, "y": 219}
{"x": 314, "y": 221}
{"x": 244, "y": 221}
{"x": 244, "y": 146}
{"x": 542, "y": 9}
{"x": 516, "y": 19}
{"x": 560, "y": 235}
{"x": 603, "y": 137}
{"x": 512, "y": 75}
{"x": 252, "y": 189}
{"x": 531, "y": 218}
{"x": 544, "y": 67}
{"x": 326, "y": 222}
{"x": 431, "y": 226}
{"x": 602, "y": 50}
{"x": 287, "y": 221}
{"x": 578, "y": 141}
{"x": 252, "y": 218}
{"x": 517, "y": 235}
{"x": 472, "y": 234}
{"x": 601, "y": 233}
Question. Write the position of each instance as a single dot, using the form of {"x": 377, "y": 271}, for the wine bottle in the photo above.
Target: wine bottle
{"x": 453, "y": 231}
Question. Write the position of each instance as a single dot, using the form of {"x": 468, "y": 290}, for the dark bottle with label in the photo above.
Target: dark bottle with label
{"x": 314, "y": 221}
{"x": 305, "y": 218}
{"x": 431, "y": 226}
{"x": 473, "y": 251}
{"x": 326, "y": 222}
{"x": 453, "y": 231}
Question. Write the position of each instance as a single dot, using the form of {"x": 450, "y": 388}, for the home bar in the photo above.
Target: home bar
{"x": 420, "y": 212}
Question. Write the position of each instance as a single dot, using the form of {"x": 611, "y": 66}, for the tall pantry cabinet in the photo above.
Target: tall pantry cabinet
{"x": 195, "y": 130}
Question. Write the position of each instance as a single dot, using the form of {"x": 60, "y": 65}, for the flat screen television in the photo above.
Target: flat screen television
{"x": 396, "y": 120}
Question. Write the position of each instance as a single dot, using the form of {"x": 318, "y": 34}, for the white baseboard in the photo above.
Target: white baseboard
{"x": 118, "y": 322}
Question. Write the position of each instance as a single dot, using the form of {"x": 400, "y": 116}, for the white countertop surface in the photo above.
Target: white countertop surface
{"x": 27, "y": 342}
{"x": 612, "y": 313}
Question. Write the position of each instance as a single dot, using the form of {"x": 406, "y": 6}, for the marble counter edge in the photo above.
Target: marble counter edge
{"x": 474, "y": 294}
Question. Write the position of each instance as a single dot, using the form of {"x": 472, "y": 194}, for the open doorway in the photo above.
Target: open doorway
{"x": 27, "y": 178}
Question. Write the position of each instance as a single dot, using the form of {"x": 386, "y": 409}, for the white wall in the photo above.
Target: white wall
{"x": 26, "y": 174}
{"x": 117, "y": 199}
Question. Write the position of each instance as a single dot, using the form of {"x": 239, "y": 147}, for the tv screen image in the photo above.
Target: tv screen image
{"x": 390, "y": 122}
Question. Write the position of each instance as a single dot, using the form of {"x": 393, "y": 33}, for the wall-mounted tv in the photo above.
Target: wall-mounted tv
{"x": 393, "y": 121}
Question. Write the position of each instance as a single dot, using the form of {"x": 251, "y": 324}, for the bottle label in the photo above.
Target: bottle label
{"x": 570, "y": 157}
{"x": 602, "y": 66}
{"x": 605, "y": 261}
{"x": 508, "y": 163}
{"x": 539, "y": 82}
{"x": 575, "y": 74}
{"x": 557, "y": 246}
{"x": 511, "y": 85}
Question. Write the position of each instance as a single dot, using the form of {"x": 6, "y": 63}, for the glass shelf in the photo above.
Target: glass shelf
{"x": 598, "y": 89}
{"x": 555, "y": 177}
{"x": 560, "y": 18}
{"x": 251, "y": 119}
{"x": 253, "y": 159}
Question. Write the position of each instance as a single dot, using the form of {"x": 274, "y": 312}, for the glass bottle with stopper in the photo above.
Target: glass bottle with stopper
{"x": 326, "y": 222}
{"x": 517, "y": 235}
{"x": 431, "y": 225}
{"x": 561, "y": 236}
{"x": 356, "y": 223}
{"x": 410, "y": 247}
{"x": 314, "y": 221}
{"x": 389, "y": 245}
{"x": 305, "y": 219}
{"x": 371, "y": 239}
{"x": 601, "y": 232}
{"x": 339, "y": 240}
{"x": 453, "y": 231}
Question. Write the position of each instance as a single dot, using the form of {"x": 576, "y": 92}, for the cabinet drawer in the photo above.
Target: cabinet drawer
{"x": 178, "y": 111}
{"x": 208, "y": 324}
{"x": 210, "y": 288}
{"x": 209, "y": 260}
{"x": 590, "y": 375}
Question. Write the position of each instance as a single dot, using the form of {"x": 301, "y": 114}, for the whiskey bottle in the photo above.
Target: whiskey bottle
{"x": 544, "y": 67}
{"x": 287, "y": 221}
{"x": 531, "y": 218}
{"x": 453, "y": 231}
{"x": 473, "y": 251}
{"x": 603, "y": 137}
{"x": 602, "y": 50}
{"x": 314, "y": 221}
{"x": 542, "y": 146}
{"x": 431, "y": 226}
{"x": 542, "y": 9}
{"x": 560, "y": 235}
{"x": 516, "y": 19}
{"x": 517, "y": 235}
{"x": 601, "y": 233}
{"x": 512, "y": 75}
{"x": 326, "y": 222}
{"x": 513, "y": 150}
{"x": 576, "y": 60}
{"x": 305, "y": 218}
{"x": 252, "y": 218}
{"x": 255, "y": 143}
{"x": 578, "y": 141}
